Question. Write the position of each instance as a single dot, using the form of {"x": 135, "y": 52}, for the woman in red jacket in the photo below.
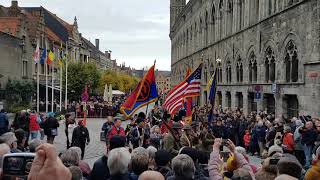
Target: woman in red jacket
{"x": 287, "y": 141}
{"x": 34, "y": 126}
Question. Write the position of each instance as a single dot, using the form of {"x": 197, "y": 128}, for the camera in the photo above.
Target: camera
{"x": 274, "y": 161}
{"x": 17, "y": 165}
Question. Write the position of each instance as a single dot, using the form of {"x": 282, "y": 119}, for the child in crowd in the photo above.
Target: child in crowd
{"x": 246, "y": 139}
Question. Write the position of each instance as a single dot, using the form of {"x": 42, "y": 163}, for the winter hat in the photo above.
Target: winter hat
{"x": 231, "y": 164}
{"x": 162, "y": 157}
{"x": 274, "y": 149}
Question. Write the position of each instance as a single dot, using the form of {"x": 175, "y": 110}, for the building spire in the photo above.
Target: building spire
{"x": 75, "y": 23}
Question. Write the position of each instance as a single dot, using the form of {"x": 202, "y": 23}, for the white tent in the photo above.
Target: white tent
{"x": 117, "y": 92}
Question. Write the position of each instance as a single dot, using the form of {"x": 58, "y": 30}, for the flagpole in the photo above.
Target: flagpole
{"x": 46, "y": 71}
{"x": 52, "y": 83}
{"x": 66, "y": 97}
{"x": 38, "y": 78}
{"x": 60, "y": 102}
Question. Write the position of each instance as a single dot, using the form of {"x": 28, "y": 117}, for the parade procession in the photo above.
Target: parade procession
{"x": 234, "y": 92}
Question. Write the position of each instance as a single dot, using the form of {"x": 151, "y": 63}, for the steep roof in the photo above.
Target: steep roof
{"x": 10, "y": 25}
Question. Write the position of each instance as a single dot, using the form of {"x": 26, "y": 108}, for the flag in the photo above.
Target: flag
{"x": 43, "y": 56}
{"x": 51, "y": 57}
{"x": 189, "y": 87}
{"x": 212, "y": 95}
{"x": 36, "y": 54}
{"x": 60, "y": 55}
{"x": 144, "y": 94}
{"x": 188, "y": 102}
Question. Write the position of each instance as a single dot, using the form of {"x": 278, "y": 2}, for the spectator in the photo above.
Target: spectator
{"x": 34, "y": 126}
{"x": 116, "y": 129}
{"x": 107, "y": 126}
{"x": 100, "y": 170}
{"x": 314, "y": 172}
{"x": 268, "y": 171}
{"x": 76, "y": 173}
{"x": 215, "y": 163}
{"x": 70, "y": 158}
{"x": 298, "y": 147}
{"x": 4, "y": 122}
{"x": 274, "y": 149}
{"x": 246, "y": 139}
{"x": 242, "y": 151}
{"x": 163, "y": 162}
{"x": 287, "y": 140}
{"x": 47, "y": 165}
{"x": 21, "y": 139}
{"x": 4, "y": 149}
{"x": 151, "y": 175}
{"x": 34, "y": 144}
{"x": 51, "y": 128}
{"x": 85, "y": 168}
{"x": 151, "y": 151}
{"x": 193, "y": 153}
{"x": 203, "y": 159}
{"x": 261, "y": 134}
{"x": 139, "y": 162}
{"x": 10, "y": 139}
{"x": 118, "y": 161}
{"x": 183, "y": 168}
{"x": 289, "y": 166}
{"x": 308, "y": 138}
{"x": 80, "y": 137}
{"x": 155, "y": 137}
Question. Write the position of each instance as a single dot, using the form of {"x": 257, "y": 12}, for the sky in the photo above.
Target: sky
{"x": 136, "y": 31}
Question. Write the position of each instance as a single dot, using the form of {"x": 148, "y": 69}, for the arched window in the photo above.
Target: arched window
{"x": 291, "y": 62}
{"x": 230, "y": 17}
{"x": 213, "y": 15}
{"x": 219, "y": 75}
{"x": 206, "y": 29}
{"x": 270, "y": 66}
{"x": 253, "y": 74}
{"x": 221, "y": 18}
{"x": 239, "y": 70}
{"x": 241, "y": 14}
{"x": 228, "y": 72}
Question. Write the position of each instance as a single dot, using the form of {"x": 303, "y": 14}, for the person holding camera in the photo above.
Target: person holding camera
{"x": 80, "y": 137}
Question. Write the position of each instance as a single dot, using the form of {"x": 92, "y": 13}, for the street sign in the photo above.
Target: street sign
{"x": 274, "y": 88}
{"x": 257, "y": 96}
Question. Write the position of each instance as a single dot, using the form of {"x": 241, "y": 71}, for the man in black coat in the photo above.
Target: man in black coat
{"x": 80, "y": 137}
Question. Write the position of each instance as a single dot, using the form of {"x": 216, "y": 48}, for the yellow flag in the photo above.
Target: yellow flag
{"x": 51, "y": 56}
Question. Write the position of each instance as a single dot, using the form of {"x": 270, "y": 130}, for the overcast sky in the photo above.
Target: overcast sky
{"x": 135, "y": 30}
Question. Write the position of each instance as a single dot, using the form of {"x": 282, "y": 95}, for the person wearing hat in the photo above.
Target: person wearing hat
{"x": 195, "y": 133}
{"x": 137, "y": 135}
{"x": 206, "y": 137}
{"x": 80, "y": 137}
{"x": 171, "y": 139}
{"x": 185, "y": 139}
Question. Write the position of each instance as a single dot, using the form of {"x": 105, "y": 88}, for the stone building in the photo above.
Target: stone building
{"x": 269, "y": 51}
{"x": 163, "y": 81}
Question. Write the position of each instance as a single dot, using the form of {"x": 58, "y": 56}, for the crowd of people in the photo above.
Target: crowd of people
{"x": 160, "y": 146}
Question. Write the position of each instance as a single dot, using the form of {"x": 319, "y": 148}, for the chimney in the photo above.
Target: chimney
{"x": 14, "y": 4}
{"x": 97, "y": 44}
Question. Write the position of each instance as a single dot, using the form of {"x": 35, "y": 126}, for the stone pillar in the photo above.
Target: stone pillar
{"x": 279, "y": 105}
{"x": 245, "y": 103}
{"x": 234, "y": 100}
{"x": 260, "y": 104}
{"x": 224, "y": 99}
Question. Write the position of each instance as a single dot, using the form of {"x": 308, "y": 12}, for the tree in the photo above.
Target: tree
{"x": 80, "y": 74}
{"x": 119, "y": 81}
{"x": 19, "y": 94}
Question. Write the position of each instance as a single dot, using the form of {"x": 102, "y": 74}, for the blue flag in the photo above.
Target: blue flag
{"x": 43, "y": 57}
{"x": 212, "y": 95}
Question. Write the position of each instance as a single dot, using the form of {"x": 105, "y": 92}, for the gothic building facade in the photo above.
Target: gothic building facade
{"x": 265, "y": 52}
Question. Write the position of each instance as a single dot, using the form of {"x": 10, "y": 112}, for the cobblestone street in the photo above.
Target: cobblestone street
{"x": 94, "y": 150}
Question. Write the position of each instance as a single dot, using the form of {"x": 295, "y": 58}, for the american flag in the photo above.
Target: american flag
{"x": 188, "y": 88}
